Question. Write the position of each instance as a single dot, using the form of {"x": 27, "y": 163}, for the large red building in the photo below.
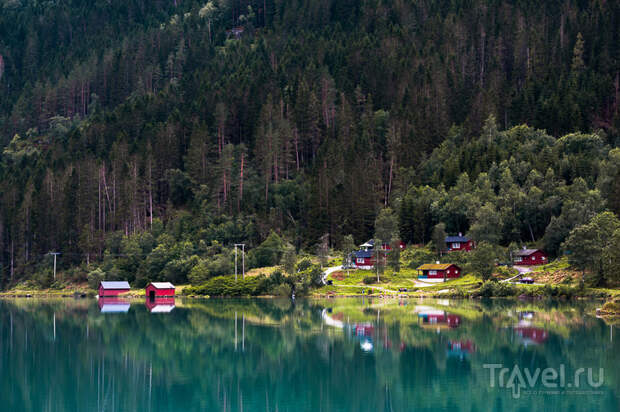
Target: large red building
{"x": 460, "y": 242}
{"x": 157, "y": 289}
{"x": 527, "y": 257}
{"x": 439, "y": 271}
{"x": 113, "y": 288}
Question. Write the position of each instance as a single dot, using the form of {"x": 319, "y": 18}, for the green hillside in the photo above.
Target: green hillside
{"x": 146, "y": 137}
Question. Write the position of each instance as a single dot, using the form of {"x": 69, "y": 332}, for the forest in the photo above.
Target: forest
{"x": 142, "y": 140}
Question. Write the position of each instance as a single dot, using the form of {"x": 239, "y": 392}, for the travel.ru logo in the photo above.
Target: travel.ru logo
{"x": 553, "y": 380}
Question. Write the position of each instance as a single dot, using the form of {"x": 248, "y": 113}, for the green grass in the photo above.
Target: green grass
{"x": 554, "y": 266}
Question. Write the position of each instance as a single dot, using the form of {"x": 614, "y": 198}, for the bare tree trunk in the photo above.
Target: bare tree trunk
{"x": 12, "y": 260}
{"x": 151, "y": 192}
{"x": 389, "y": 188}
{"x": 296, "y": 134}
{"x": 239, "y": 200}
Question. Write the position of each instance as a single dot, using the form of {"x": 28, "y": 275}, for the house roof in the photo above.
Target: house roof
{"x": 114, "y": 308}
{"x": 162, "y": 308}
{"x": 436, "y": 266}
{"x": 450, "y": 239}
{"x": 525, "y": 252}
{"x": 162, "y": 285}
{"x": 370, "y": 243}
{"x": 115, "y": 284}
{"x": 363, "y": 254}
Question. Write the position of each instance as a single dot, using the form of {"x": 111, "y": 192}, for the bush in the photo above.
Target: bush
{"x": 418, "y": 256}
{"x": 492, "y": 288}
{"x": 205, "y": 269}
{"x": 369, "y": 280}
{"x": 268, "y": 253}
{"x": 282, "y": 290}
{"x": 303, "y": 265}
{"x": 227, "y": 286}
{"x": 43, "y": 278}
{"x": 94, "y": 277}
{"x": 611, "y": 307}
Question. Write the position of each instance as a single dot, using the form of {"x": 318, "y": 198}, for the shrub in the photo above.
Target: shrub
{"x": 492, "y": 288}
{"x": 612, "y": 307}
{"x": 227, "y": 286}
{"x": 44, "y": 278}
{"x": 369, "y": 280}
{"x": 304, "y": 264}
{"x": 282, "y": 290}
{"x": 94, "y": 277}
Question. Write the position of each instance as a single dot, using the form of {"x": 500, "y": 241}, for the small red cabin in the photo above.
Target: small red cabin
{"x": 528, "y": 257}
{"x": 157, "y": 289}
{"x": 460, "y": 242}
{"x": 364, "y": 259}
{"x": 114, "y": 288}
{"x": 439, "y": 271}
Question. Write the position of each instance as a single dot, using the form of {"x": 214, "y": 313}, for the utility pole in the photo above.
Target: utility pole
{"x": 55, "y": 254}
{"x": 242, "y": 259}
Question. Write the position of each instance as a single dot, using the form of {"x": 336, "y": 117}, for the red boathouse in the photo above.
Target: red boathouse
{"x": 527, "y": 257}
{"x": 157, "y": 289}
{"x": 113, "y": 288}
{"x": 439, "y": 271}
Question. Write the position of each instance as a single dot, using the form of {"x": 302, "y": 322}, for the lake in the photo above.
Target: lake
{"x": 310, "y": 355}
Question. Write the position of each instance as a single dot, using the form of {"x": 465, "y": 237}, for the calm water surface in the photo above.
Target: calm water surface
{"x": 313, "y": 355}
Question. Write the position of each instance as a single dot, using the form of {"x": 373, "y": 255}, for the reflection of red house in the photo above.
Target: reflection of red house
{"x": 113, "y": 288}
{"x": 531, "y": 335}
{"x": 363, "y": 329}
{"x": 160, "y": 305}
{"x": 529, "y": 257}
{"x": 113, "y": 305}
{"x": 155, "y": 289}
{"x": 439, "y": 318}
{"x": 465, "y": 346}
{"x": 460, "y": 242}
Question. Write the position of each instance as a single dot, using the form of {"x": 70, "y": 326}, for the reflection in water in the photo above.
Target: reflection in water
{"x": 160, "y": 305}
{"x": 113, "y": 305}
{"x": 268, "y": 355}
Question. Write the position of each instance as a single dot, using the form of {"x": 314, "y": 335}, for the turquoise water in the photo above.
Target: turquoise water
{"x": 313, "y": 355}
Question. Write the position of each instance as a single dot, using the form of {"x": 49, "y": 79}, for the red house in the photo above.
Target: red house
{"x": 460, "y": 242}
{"x": 107, "y": 288}
{"x": 364, "y": 259}
{"x": 439, "y": 271}
{"x": 527, "y": 257}
{"x": 157, "y": 289}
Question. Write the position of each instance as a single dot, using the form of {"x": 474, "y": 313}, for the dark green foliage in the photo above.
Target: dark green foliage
{"x": 227, "y": 286}
{"x": 496, "y": 289}
{"x": 268, "y": 253}
{"x": 482, "y": 260}
{"x": 120, "y": 118}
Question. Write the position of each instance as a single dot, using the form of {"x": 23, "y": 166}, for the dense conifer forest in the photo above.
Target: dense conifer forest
{"x": 146, "y": 138}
